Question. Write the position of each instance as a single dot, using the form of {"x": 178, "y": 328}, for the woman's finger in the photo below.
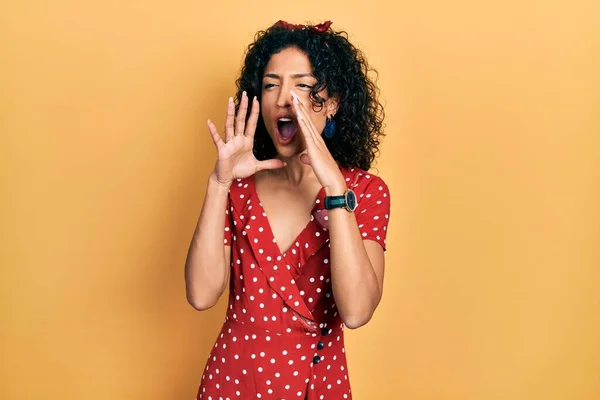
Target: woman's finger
{"x": 305, "y": 159}
{"x": 302, "y": 124}
{"x": 312, "y": 130}
{"x": 229, "y": 134}
{"x": 270, "y": 164}
{"x": 215, "y": 135}
{"x": 316, "y": 134}
{"x": 253, "y": 119}
{"x": 240, "y": 121}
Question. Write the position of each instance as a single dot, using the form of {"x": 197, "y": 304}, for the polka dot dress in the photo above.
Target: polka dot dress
{"x": 283, "y": 337}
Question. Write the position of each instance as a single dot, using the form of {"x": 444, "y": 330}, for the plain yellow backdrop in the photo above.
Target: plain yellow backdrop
{"x": 492, "y": 156}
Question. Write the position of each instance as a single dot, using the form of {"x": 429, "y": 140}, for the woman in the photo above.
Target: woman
{"x": 305, "y": 223}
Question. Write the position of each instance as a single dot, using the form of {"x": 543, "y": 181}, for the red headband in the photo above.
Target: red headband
{"x": 322, "y": 27}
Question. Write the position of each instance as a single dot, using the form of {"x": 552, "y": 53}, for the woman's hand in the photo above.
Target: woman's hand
{"x": 317, "y": 154}
{"x": 235, "y": 157}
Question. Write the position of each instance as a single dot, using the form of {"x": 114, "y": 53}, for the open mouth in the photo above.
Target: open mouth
{"x": 287, "y": 128}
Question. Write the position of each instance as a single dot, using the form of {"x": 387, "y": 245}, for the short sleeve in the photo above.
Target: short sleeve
{"x": 373, "y": 212}
{"x": 228, "y": 234}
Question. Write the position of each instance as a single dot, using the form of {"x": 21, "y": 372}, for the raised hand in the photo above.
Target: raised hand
{"x": 235, "y": 157}
{"x": 317, "y": 154}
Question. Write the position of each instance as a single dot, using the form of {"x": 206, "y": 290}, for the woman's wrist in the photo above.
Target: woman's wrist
{"x": 215, "y": 180}
{"x": 336, "y": 189}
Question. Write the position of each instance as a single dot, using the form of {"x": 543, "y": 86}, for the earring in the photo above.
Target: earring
{"x": 329, "y": 130}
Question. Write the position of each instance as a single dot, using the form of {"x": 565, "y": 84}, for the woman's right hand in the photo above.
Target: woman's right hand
{"x": 235, "y": 157}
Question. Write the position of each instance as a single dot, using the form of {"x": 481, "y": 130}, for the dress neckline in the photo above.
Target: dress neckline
{"x": 316, "y": 201}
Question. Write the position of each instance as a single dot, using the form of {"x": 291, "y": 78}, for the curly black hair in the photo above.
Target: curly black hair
{"x": 339, "y": 67}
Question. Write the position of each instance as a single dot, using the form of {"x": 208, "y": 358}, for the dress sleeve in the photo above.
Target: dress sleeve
{"x": 228, "y": 234}
{"x": 373, "y": 212}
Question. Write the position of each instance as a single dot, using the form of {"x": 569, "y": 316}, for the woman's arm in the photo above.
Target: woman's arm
{"x": 357, "y": 268}
{"x": 208, "y": 258}
{"x": 356, "y": 264}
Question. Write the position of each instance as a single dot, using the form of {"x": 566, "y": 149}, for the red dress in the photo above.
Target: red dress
{"x": 282, "y": 337}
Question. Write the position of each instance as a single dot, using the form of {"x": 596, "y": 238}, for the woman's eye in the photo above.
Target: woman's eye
{"x": 303, "y": 85}
{"x": 269, "y": 85}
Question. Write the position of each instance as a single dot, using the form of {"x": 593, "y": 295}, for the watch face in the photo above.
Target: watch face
{"x": 351, "y": 200}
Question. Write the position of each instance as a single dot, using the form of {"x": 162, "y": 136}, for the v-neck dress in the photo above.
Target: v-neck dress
{"x": 283, "y": 337}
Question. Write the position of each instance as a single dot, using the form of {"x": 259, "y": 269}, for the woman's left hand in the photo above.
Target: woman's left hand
{"x": 317, "y": 154}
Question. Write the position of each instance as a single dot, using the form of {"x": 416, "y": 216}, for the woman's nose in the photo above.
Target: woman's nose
{"x": 285, "y": 97}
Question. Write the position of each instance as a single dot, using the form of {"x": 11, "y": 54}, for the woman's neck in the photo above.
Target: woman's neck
{"x": 295, "y": 173}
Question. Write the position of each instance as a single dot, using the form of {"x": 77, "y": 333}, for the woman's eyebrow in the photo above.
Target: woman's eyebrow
{"x": 294, "y": 76}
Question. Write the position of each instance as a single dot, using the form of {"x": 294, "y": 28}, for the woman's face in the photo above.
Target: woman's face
{"x": 290, "y": 69}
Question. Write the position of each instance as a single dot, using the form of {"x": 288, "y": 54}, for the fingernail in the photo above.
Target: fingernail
{"x": 295, "y": 96}
{"x": 231, "y": 99}
{"x": 208, "y": 122}
{"x": 244, "y": 93}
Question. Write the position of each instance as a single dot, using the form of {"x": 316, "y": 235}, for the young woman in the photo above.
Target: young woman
{"x": 304, "y": 225}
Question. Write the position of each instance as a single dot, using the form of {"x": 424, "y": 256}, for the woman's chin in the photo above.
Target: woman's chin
{"x": 290, "y": 148}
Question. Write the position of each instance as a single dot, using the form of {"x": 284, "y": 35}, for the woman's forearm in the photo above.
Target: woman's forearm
{"x": 206, "y": 266}
{"x": 355, "y": 285}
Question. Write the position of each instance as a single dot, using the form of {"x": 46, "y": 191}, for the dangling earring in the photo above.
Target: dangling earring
{"x": 329, "y": 130}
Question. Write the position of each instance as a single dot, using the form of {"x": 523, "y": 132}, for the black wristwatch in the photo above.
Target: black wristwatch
{"x": 347, "y": 201}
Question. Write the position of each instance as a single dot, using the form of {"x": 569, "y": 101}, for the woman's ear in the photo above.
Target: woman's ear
{"x": 332, "y": 105}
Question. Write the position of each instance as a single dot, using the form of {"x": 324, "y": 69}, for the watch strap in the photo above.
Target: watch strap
{"x": 334, "y": 202}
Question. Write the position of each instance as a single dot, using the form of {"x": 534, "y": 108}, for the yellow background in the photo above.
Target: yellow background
{"x": 493, "y": 158}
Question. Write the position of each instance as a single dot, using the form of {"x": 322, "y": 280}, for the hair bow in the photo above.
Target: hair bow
{"x": 322, "y": 27}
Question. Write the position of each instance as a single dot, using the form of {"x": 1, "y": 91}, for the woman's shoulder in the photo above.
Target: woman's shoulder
{"x": 360, "y": 180}
{"x": 240, "y": 191}
{"x": 363, "y": 183}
